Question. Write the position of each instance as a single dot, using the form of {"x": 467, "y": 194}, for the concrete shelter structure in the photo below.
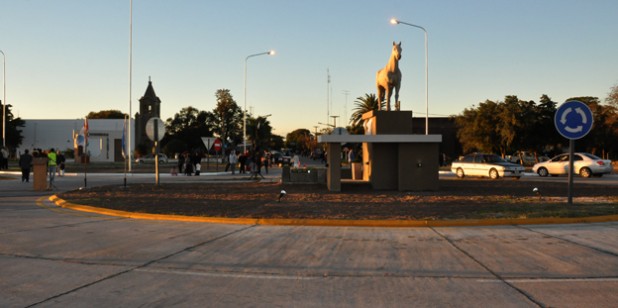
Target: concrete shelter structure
{"x": 393, "y": 158}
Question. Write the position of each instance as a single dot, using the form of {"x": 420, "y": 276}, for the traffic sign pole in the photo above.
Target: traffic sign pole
{"x": 573, "y": 120}
{"x": 571, "y": 167}
{"x": 156, "y": 156}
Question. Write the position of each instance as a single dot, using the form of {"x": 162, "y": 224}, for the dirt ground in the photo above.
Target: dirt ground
{"x": 456, "y": 199}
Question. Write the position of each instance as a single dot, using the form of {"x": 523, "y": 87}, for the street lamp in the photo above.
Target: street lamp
{"x": 244, "y": 134}
{"x": 395, "y": 21}
{"x": 3, "y": 99}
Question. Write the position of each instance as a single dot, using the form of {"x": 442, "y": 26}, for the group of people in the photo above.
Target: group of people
{"x": 55, "y": 164}
{"x": 189, "y": 164}
{"x": 250, "y": 161}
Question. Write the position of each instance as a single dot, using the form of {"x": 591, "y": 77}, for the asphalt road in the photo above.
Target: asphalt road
{"x": 53, "y": 257}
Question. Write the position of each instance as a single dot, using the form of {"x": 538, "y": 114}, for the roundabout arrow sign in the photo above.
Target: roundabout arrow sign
{"x": 573, "y": 120}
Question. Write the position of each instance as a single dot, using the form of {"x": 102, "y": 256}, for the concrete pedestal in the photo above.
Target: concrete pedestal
{"x": 39, "y": 172}
{"x": 398, "y": 165}
{"x": 333, "y": 159}
{"x": 393, "y": 158}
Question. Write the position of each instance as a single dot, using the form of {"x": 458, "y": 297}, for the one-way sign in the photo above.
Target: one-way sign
{"x": 573, "y": 120}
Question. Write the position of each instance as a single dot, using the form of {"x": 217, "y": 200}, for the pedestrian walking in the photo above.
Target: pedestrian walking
{"x": 243, "y": 163}
{"x": 61, "y": 162}
{"x": 52, "y": 164}
{"x": 233, "y": 160}
{"x": 25, "y": 163}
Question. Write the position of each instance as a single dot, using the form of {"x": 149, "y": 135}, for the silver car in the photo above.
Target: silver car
{"x": 584, "y": 164}
{"x": 486, "y": 165}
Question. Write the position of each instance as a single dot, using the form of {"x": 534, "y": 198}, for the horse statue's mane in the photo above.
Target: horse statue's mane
{"x": 390, "y": 77}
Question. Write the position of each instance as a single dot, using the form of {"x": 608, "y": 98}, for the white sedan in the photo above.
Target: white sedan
{"x": 486, "y": 165}
{"x": 584, "y": 164}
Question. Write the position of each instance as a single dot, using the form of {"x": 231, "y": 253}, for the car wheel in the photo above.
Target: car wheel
{"x": 543, "y": 172}
{"x": 460, "y": 173}
{"x": 585, "y": 172}
{"x": 493, "y": 174}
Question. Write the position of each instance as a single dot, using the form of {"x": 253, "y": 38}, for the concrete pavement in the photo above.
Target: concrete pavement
{"x": 55, "y": 257}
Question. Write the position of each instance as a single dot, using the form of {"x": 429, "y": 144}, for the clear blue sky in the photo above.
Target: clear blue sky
{"x": 66, "y": 58}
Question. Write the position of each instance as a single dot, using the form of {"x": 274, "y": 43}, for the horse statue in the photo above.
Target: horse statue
{"x": 390, "y": 77}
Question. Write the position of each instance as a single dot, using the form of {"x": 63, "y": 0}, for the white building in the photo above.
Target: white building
{"x": 104, "y": 141}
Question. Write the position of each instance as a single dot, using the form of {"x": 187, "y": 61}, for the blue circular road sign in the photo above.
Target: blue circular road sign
{"x": 573, "y": 120}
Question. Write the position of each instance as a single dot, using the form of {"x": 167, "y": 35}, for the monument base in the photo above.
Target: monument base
{"x": 393, "y": 157}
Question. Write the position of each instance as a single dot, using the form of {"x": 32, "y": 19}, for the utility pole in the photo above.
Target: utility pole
{"x": 327, "y": 95}
{"x": 345, "y": 104}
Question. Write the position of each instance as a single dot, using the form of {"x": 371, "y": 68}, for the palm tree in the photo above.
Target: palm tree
{"x": 363, "y": 105}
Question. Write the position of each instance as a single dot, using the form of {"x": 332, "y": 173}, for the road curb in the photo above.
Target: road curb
{"x": 335, "y": 222}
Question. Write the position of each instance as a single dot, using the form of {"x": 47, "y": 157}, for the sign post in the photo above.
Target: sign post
{"x": 155, "y": 130}
{"x": 217, "y": 145}
{"x": 573, "y": 120}
{"x": 208, "y": 141}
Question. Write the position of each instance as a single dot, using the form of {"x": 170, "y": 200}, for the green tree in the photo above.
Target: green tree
{"x": 227, "y": 118}
{"x": 12, "y": 131}
{"x": 612, "y": 97}
{"x": 259, "y": 132}
{"x": 276, "y": 142}
{"x": 542, "y": 133}
{"x": 106, "y": 114}
{"x": 477, "y": 128}
{"x": 188, "y": 126}
{"x": 362, "y": 105}
{"x": 299, "y": 140}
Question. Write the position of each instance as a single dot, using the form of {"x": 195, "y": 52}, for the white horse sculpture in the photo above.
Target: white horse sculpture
{"x": 390, "y": 77}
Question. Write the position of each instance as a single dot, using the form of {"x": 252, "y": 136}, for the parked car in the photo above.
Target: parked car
{"x": 485, "y": 165}
{"x": 526, "y": 158}
{"x": 278, "y": 158}
{"x": 584, "y": 164}
{"x": 150, "y": 159}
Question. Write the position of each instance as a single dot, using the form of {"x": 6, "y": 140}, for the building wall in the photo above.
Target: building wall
{"x": 59, "y": 134}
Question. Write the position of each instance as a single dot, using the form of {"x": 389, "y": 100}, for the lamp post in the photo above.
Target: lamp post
{"x": 3, "y": 99}
{"x": 244, "y": 134}
{"x": 395, "y": 21}
{"x": 129, "y": 129}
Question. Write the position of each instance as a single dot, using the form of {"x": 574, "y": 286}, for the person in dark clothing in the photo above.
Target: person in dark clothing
{"x": 242, "y": 159}
{"x": 197, "y": 162}
{"x": 266, "y": 160}
{"x": 181, "y": 163}
{"x": 4, "y": 158}
{"x": 188, "y": 165}
{"x": 61, "y": 163}
{"x": 257, "y": 165}
{"x": 25, "y": 163}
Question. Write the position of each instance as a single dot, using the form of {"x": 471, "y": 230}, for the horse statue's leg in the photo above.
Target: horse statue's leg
{"x": 380, "y": 97}
{"x": 389, "y": 90}
{"x": 397, "y": 98}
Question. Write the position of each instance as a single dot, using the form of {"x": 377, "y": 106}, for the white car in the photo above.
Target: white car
{"x": 584, "y": 164}
{"x": 489, "y": 165}
{"x": 151, "y": 159}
